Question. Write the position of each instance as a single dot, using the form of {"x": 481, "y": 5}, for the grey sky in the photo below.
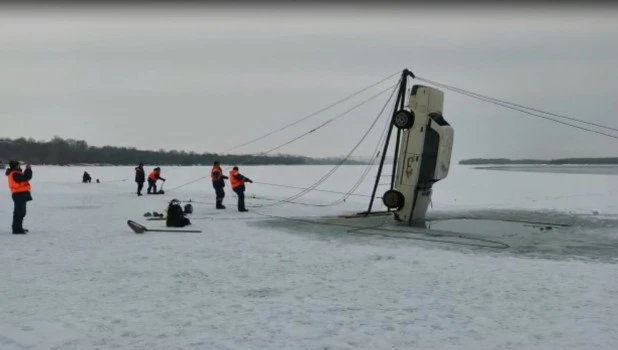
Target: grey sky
{"x": 207, "y": 79}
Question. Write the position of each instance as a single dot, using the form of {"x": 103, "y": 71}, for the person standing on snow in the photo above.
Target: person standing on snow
{"x": 218, "y": 183}
{"x": 237, "y": 180}
{"x": 152, "y": 180}
{"x": 140, "y": 178}
{"x": 19, "y": 184}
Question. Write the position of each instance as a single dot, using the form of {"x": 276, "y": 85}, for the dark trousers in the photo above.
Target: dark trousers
{"x": 220, "y": 192}
{"x": 152, "y": 185}
{"x": 19, "y": 211}
{"x": 240, "y": 192}
{"x": 177, "y": 222}
{"x": 140, "y": 186}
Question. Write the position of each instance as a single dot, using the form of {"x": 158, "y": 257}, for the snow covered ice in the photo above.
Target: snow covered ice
{"x": 81, "y": 279}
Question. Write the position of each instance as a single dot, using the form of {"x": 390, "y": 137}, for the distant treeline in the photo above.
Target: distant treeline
{"x": 560, "y": 161}
{"x": 59, "y": 151}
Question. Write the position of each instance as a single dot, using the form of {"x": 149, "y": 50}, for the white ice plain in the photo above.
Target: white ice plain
{"x": 81, "y": 279}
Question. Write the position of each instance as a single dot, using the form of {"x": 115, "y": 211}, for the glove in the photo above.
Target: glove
{"x": 250, "y": 181}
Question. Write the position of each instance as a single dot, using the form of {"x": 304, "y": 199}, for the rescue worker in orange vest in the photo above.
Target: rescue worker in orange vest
{"x": 152, "y": 180}
{"x": 20, "y": 191}
{"x": 237, "y": 180}
{"x": 218, "y": 183}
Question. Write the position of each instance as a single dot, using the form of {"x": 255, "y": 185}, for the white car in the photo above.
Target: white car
{"x": 424, "y": 153}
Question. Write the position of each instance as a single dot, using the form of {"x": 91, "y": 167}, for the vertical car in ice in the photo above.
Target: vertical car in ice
{"x": 424, "y": 153}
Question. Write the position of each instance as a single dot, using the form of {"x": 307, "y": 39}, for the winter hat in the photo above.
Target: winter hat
{"x": 13, "y": 164}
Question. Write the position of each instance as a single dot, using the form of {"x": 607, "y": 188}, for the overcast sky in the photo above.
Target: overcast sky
{"x": 207, "y": 79}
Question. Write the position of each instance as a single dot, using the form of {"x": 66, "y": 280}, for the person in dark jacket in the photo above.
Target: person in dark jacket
{"x": 86, "y": 178}
{"x": 19, "y": 185}
{"x": 237, "y": 180}
{"x": 218, "y": 183}
{"x": 175, "y": 215}
{"x": 140, "y": 178}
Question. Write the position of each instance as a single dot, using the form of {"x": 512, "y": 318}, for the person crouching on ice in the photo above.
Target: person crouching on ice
{"x": 237, "y": 180}
{"x": 152, "y": 180}
{"x": 19, "y": 184}
{"x": 175, "y": 215}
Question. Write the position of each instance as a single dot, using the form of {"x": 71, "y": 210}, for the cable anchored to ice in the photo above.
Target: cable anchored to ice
{"x": 452, "y": 88}
{"x": 341, "y": 162}
{"x": 188, "y": 183}
{"x": 524, "y": 109}
{"x": 315, "y": 189}
{"x": 313, "y": 129}
{"x": 376, "y": 152}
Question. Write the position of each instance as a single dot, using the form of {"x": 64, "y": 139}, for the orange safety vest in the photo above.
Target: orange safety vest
{"x": 18, "y": 187}
{"x": 234, "y": 181}
{"x": 212, "y": 173}
{"x": 154, "y": 175}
